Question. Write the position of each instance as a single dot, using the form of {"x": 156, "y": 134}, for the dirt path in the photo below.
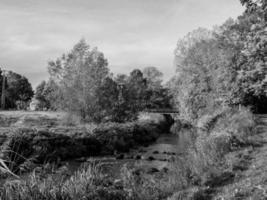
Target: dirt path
{"x": 251, "y": 177}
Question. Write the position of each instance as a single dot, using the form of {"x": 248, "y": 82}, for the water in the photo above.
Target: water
{"x": 158, "y": 155}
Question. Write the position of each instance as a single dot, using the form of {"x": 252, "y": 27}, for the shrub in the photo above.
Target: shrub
{"x": 240, "y": 123}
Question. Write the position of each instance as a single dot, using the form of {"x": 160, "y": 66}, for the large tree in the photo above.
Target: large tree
{"x": 247, "y": 38}
{"x": 79, "y": 75}
{"x": 19, "y": 91}
{"x": 200, "y": 67}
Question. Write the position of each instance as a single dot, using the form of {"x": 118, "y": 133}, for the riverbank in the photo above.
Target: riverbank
{"x": 25, "y": 145}
{"x": 226, "y": 164}
{"x": 250, "y": 165}
{"x": 229, "y": 160}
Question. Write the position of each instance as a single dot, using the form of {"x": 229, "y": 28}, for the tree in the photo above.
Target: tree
{"x": 19, "y": 91}
{"x": 158, "y": 96}
{"x": 253, "y": 57}
{"x": 153, "y": 76}
{"x": 48, "y": 96}
{"x": 79, "y": 75}
{"x": 206, "y": 77}
{"x": 39, "y": 95}
{"x": 247, "y": 39}
{"x": 136, "y": 88}
{"x": 184, "y": 44}
{"x": 108, "y": 100}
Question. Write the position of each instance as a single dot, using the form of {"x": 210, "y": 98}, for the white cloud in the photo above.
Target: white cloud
{"x": 130, "y": 33}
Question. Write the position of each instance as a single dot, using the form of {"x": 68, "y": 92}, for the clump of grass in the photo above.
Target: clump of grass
{"x": 16, "y": 152}
{"x": 86, "y": 183}
{"x": 147, "y": 186}
{"x": 5, "y": 170}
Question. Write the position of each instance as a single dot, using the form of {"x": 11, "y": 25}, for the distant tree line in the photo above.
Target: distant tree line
{"x": 223, "y": 67}
{"x": 18, "y": 91}
{"x": 81, "y": 82}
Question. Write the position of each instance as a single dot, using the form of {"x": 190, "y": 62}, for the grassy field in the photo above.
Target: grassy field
{"x": 28, "y": 118}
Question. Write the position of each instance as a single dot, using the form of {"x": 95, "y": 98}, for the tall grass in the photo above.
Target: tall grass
{"x": 82, "y": 185}
{"x": 88, "y": 183}
{"x": 16, "y": 152}
{"x": 204, "y": 164}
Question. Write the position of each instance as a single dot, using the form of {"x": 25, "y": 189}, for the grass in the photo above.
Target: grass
{"x": 87, "y": 183}
{"x": 23, "y": 148}
{"x": 204, "y": 167}
{"x": 82, "y": 184}
{"x": 205, "y": 164}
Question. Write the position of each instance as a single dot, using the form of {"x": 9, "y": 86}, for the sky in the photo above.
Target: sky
{"x": 131, "y": 33}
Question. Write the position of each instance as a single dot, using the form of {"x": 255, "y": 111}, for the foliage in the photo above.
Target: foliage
{"x": 158, "y": 95}
{"x": 140, "y": 91}
{"x": 80, "y": 83}
{"x": 22, "y": 146}
{"x": 246, "y": 37}
{"x": 49, "y": 96}
{"x": 153, "y": 77}
{"x": 18, "y": 91}
{"x": 203, "y": 79}
{"x": 206, "y": 162}
{"x": 226, "y": 66}
{"x": 79, "y": 75}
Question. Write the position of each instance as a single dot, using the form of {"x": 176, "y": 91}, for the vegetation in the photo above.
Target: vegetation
{"x": 222, "y": 67}
{"x": 23, "y": 148}
{"x": 217, "y": 71}
{"x": 220, "y": 80}
{"x": 81, "y": 83}
{"x": 18, "y": 90}
{"x": 89, "y": 182}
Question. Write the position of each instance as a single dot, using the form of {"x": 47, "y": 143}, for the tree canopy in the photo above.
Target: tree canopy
{"x": 19, "y": 91}
{"x": 225, "y": 66}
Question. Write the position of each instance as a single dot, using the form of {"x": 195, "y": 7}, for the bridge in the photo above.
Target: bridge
{"x": 162, "y": 111}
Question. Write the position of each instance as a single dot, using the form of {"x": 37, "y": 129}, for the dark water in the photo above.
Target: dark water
{"x": 158, "y": 155}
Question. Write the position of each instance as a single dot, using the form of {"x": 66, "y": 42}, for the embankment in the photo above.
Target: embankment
{"x": 20, "y": 145}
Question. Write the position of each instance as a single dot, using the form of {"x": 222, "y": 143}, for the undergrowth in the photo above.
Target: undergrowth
{"x": 205, "y": 165}
{"x": 88, "y": 183}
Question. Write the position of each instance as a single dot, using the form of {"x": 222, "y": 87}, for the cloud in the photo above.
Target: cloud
{"x": 130, "y": 33}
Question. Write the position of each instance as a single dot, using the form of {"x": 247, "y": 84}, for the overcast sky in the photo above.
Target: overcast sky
{"x": 131, "y": 33}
